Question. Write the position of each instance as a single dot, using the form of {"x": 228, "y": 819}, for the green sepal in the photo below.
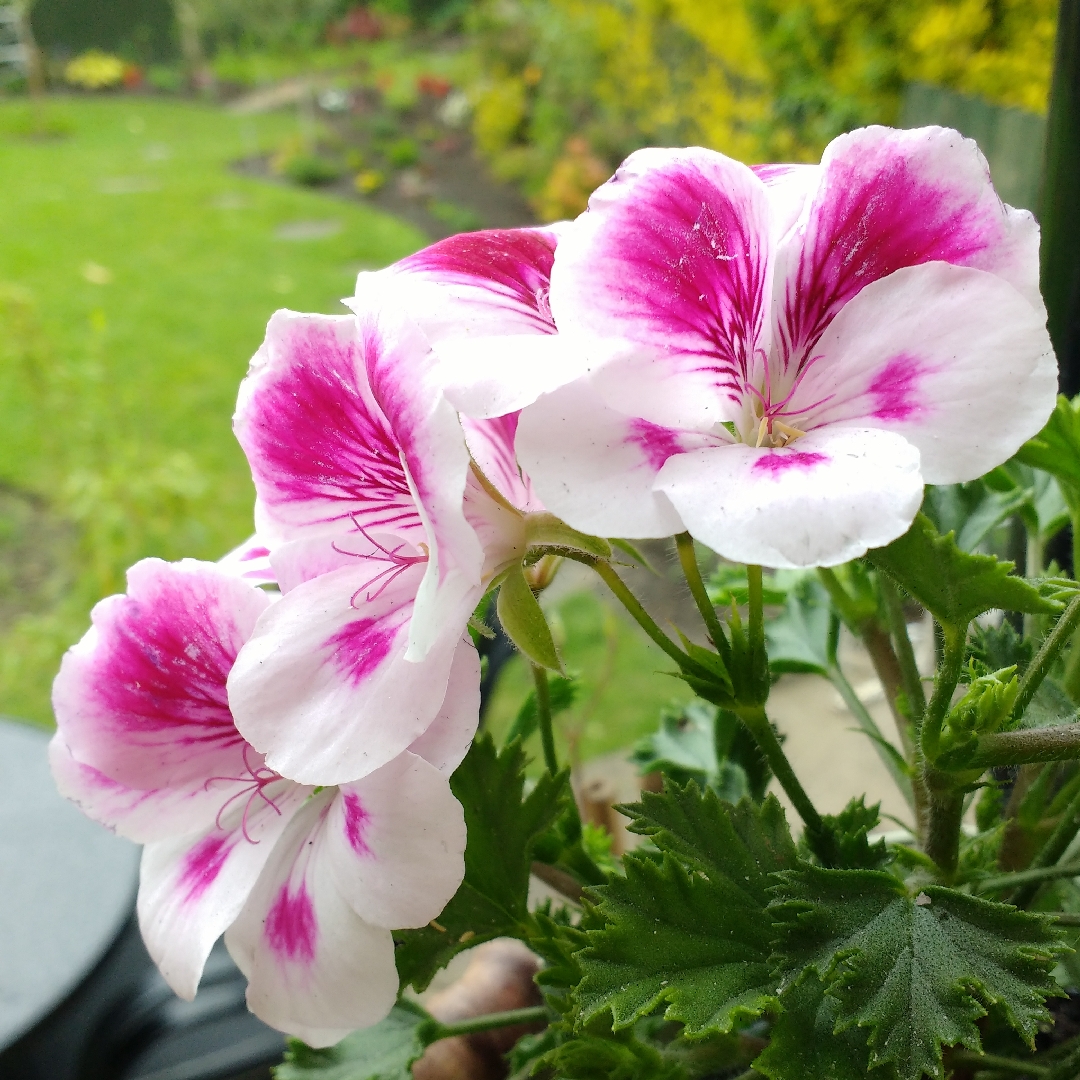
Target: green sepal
{"x": 916, "y": 972}
{"x": 803, "y": 1045}
{"x": 691, "y": 931}
{"x": 524, "y": 621}
{"x": 383, "y": 1052}
{"x": 503, "y": 827}
{"x": 546, "y": 530}
{"x": 956, "y": 586}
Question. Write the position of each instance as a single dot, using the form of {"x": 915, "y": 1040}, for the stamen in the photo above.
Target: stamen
{"x": 761, "y": 431}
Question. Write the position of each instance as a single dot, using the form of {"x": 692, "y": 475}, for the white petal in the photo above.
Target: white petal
{"x": 824, "y": 501}
{"x": 192, "y": 887}
{"x": 396, "y": 843}
{"x": 953, "y": 359}
{"x": 315, "y": 969}
{"x": 595, "y": 467}
{"x": 450, "y": 734}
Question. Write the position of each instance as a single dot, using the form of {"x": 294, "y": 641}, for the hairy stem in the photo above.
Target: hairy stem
{"x": 819, "y": 838}
{"x": 948, "y": 675}
{"x": 684, "y": 544}
{"x": 1038, "y": 669}
{"x": 756, "y": 629}
{"x": 1025, "y": 877}
{"x": 543, "y": 713}
{"x": 639, "y": 614}
{"x": 968, "y": 1059}
{"x": 1025, "y": 747}
{"x": 490, "y": 1021}
{"x": 910, "y": 678}
{"x": 559, "y": 880}
{"x": 1056, "y": 845}
{"x": 943, "y": 829}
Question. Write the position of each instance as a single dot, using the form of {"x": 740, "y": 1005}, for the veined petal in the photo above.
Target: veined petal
{"x": 250, "y": 561}
{"x": 323, "y": 687}
{"x": 322, "y": 452}
{"x": 396, "y": 843}
{"x": 141, "y": 697}
{"x": 491, "y": 443}
{"x": 449, "y": 736}
{"x": 825, "y": 500}
{"x": 192, "y": 887}
{"x": 670, "y": 270}
{"x": 953, "y": 359}
{"x": 787, "y": 187}
{"x": 315, "y": 969}
{"x": 482, "y": 300}
{"x": 595, "y": 467}
{"x": 403, "y": 379}
{"x": 887, "y": 199}
{"x": 139, "y": 814}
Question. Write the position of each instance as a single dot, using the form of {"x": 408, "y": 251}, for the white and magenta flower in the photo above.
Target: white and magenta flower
{"x": 381, "y": 536}
{"x": 305, "y": 883}
{"x": 776, "y": 359}
{"x": 481, "y": 300}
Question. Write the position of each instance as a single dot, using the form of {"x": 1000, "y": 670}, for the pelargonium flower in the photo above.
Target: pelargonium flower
{"x": 481, "y": 299}
{"x": 305, "y": 883}
{"x": 370, "y": 506}
{"x": 776, "y": 359}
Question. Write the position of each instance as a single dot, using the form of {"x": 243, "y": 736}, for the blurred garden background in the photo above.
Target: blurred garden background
{"x": 174, "y": 172}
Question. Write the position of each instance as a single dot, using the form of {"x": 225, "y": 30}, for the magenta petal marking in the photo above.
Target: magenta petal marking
{"x": 360, "y": 646}
{"x": 316, "y": 435}
{"x": 515, "y": 263}
{"x": 894, "y": 389}
{"x": 776, "y": 463}
{"x": 163, "y": 665}
{"x": 656, "y": 443}
{"x": 254, "y": 553}
{"x": 357, "y": 819}
{"x": 202, "y": 864}
{"x": 291, "y": 927}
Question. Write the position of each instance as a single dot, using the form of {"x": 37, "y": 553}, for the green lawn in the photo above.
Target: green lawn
{"x": 137, "y": 273}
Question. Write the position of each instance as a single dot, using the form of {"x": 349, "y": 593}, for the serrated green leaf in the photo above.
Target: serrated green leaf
{"x": 383, "y": 1052}
{"x": 692, "y": 931}
{"x": 1056, "y": 449}
{"x": 803, "y": 1046}
{"x": 524, "y": 622}
{"x": 850, "y": 829}
{"x": 915, "y": 971}
{"x": 952, "y": 584}
{"x": 502, "y": 828}
{"x": 594, "y": 1058}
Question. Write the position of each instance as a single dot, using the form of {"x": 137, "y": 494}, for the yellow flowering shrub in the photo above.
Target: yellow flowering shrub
{"x": 95, "y": 70}
{"x": 757, "y": 79}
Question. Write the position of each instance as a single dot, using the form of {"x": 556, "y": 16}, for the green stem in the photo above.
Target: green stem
{"x": 839, "y": 596}
{"x": 640, "y": 615}
{"x": 867, "y": 723}
{"x": 905, "y": 654}
{"x": 684, "y": 544}
{"x": 543, "y": 713}
{"x": 1025, "y": 747}
{"x": 1056, "y": 845}
{"x": 819, "y": 838}
{"x": 1038, "y": 669}
{"x": 992, "y": 1063}
{"x": 946, "y": 815}
{"x": 1067, "y": 918}
{"x": 1024, "y": 877}
{"x": 490, "y": 1021}
{"x": 948, "y": 676}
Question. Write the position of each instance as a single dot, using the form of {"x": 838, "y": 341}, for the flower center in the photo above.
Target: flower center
{"x": 254, "y": 784}
{"x": 397, "y": 563}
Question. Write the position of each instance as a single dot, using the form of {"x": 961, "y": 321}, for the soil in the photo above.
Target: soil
{"x": 446, "y": 190}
